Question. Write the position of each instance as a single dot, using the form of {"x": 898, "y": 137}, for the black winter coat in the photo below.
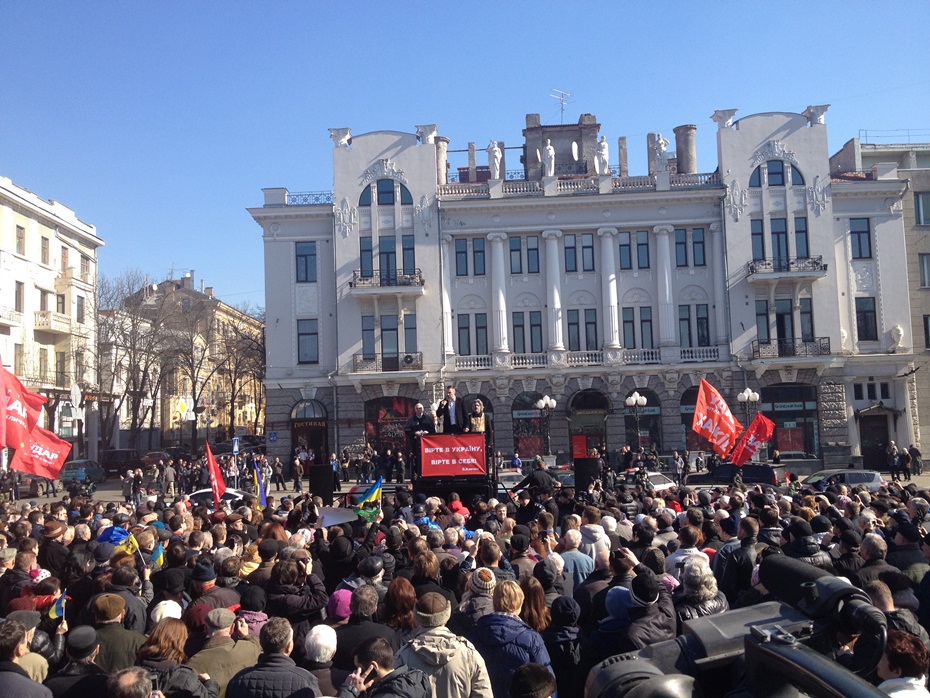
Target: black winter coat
{"x": 564, "y": 647}
{"x": 688, "y": 608}
{"x": 302, "y": 605}
{"x": 179, "y": 680}
{"x": 400, "y": 683}
{"x": 274, "y": 676}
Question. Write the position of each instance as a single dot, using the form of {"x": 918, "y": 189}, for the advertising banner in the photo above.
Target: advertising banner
{"x": 452, "y": 455}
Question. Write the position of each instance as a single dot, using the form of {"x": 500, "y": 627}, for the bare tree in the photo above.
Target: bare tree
{"x": 242, "y": 339}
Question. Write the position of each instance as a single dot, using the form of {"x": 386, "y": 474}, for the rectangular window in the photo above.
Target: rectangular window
{"x": 776, "y": 172}
{"x": 702, "y": 317}
{"x": 43, "y": 300}
{"x": 18, "y": 357}
{"x": 642, "y": 249}
{"x": 758, "y": 240}
{"x": 45, "y": 250}
{"x": 922, "y": 208}
{"x": 519, "y": 334}
{"x": 536, "y": 344}
{"x": 43, "y": 364}
{"x": 19, "y": 297}
{"x": 306, "y": 262}
{"x": 308, "y": 342}
{"x": 477, "y": 249}
{"x": 368, "y": 336}
{"x": 79, "y": 312}
{"x": 481, "y": 334}
{"x": 461, "y": 257}
{"x": 385, "y": 192}
{"x": 645, "y": 327}
{"x": 866, "y": 320}
{"x": 20, "y": 240}
{"x": 389, "y": 336}
{"x": 516, "y": 256}
{"x": 626, "y": 254}
{"x": 60, "y": 304}
{"x": 387, "y": 259}
{"x": 807, "y": 320}
{"x": 884, "y": 391}
{"x": 861, "y": 237}
{"x": 870, "y": 391}
{"x": 697, "y": 247}
{"x": 628, "y": 323}
{"x": 366, "y": 261}
{"x": 801, "y": 246}
{"x": 780, "y": 244}
{"x": 681, "y": 248}
{"x": 532, "y": 254}
{"x": 410, "y": 333}
{"x": 924, "y": 261}
{"x": 762, "y": 321}
{"x": 408, "y": 254}
{"x": 85, "y": 265}
{"x": 464, "y": 328}
{"x": 571, "y": 255}
{"x": 587, "y": 252}
{"x": 926, "y": 331}
{"x": 684, "y": 325}
{"x": 61, "y": 366}
{"x": 590, "y": 329}
{"x": 857, "y": 391}
{"x": 574, "y": 331}
{"x": 64, "y": 258}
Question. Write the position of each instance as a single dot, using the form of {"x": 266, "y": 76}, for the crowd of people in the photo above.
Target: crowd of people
{"x": 445, "y": 597}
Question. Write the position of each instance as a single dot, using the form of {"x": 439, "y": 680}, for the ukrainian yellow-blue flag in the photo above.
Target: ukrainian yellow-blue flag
{"x": 158, "y": 555}
{"x": 130, "y": 545}
{"x": 370, "y": 503}
{"x": 259, "y": 486}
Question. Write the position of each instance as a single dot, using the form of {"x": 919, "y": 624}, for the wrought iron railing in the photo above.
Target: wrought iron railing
{"x": 387, "y": 363}
{"x": 787, "y": 264}
{"x": 782, "y": 348}
{"x": 379, "y": 278}
{"x": 310, "y": 198}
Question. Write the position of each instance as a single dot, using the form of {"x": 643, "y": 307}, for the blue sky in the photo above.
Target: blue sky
{"x": 161, "y": 122}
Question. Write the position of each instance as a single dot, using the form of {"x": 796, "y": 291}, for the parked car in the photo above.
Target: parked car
{"x": 658, "y": 481}
{"x": 83, "y": 470}
{"x": 750, "y": 474}
{"x": 179, "y": 452}
{"x": 119, "y": 460}
{"x": 872, "y": 479}
{"x": 152, "y": 457}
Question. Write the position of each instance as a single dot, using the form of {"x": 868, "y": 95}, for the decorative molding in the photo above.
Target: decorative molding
{"x": 724, "y": 118}
{"x": 426, "y": 133}
{"x": 342, "y": 137}
{"x": 664, "y": 229}
{"x": 557, "y": 383}
{"x": 773, "y": 150}
{"x": 382, "y": 169}
{"x": 497, "y": 237}
{"x": 551, "y": 234}
{"x": 671, "y": 379}
{"x": 581, "y": 298}
{"x": 865, "y": 276}
{"x": 557, "y": 358}
{"x": 527, "y": 300}
{"x": 788, "y": 375}
{"x": 737, "y": 199}
{"x": 452, "y": 222}
{"x": 422, "y": 216}
{"x": 390, "y": 389}
{"x": 815, "y": 113}
{"x": 501, "y": 359}
{"x": 474, "y": 386}
{"x": 346, "y": 216}
{"x": 472, "y": 302}
{"x": 607, "y": 232}
{"x": 817, "y": 195}
{"x": 585, "y": 382}
{"x": 502, "y": 387}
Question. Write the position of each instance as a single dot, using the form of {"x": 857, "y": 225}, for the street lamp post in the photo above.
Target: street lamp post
{"x": 750, "y": 399}
{"x": 635, "y": 404}
{"x": 546, "y": 405}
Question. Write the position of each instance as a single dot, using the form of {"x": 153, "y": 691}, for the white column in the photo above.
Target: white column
{"x": 445, "y": 250}
{"x": 719, "y": 280}
{"x": 667, "y": 318}
{"x": 609, "y": 297}
{"x": 554, "y": 289}
{"x": 498, "y": 293}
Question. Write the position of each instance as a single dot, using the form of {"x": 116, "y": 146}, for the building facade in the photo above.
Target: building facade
{"x": 48, "y": 277}
{"x": 571, "y": 279}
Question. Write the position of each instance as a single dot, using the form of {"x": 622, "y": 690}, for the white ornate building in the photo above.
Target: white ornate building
{"x": 48, "y": 277}
{"x": 586, "y": 286}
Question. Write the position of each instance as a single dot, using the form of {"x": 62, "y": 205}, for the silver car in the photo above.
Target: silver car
{"x": 842, "y": 476}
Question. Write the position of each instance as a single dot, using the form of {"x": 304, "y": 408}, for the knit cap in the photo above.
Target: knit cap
{"x": 482, "y": 581}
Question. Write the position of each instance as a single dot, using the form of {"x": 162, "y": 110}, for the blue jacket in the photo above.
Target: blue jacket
{"x": 507, "y": 643}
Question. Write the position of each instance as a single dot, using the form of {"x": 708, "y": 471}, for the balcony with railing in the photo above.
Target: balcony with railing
{"x": 584, "y": 358}
{"x": 10, "y": 317}
{"x": 406, "y": 281}
{"x": 50, "y": 321}
{"x": 642, "y": 356}
{"x": 387, "y": 363}
{"x": 791, "y": 348}
{"x": 533, "y": 360}
{"x": 801, "y": 268}
{"x": 72, "y": 275}
{"x": 310, "y": 198}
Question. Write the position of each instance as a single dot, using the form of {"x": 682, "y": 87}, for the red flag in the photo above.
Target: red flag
{"x": 2, "y": 405}
{"x": 713, "y": 419}
{"x": 217, "y": 483}
{"x": 22, "y": 409}
{"x": 758, "y": 433}
{"x": 44, "y": 455}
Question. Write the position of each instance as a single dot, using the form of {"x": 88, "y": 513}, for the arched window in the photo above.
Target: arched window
{"x": 385, "y": 194}
{"x": 309, "y": 409}
{"x": 778, "y": 173}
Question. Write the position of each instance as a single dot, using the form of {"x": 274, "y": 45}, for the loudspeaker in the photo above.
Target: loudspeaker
{"x": 587, "y": 470}
{"x": 320, "y": 482}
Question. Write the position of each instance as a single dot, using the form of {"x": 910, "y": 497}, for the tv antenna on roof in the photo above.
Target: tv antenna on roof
{"x": 563, "y": 100}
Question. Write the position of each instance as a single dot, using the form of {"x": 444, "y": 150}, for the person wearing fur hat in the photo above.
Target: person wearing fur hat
{"x": 53, "y": 552}
{"x": 454, "y": 666}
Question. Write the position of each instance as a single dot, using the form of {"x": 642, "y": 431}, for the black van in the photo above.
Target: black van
{"x": 750, "y": 474}
{"x": 119, "y": 460}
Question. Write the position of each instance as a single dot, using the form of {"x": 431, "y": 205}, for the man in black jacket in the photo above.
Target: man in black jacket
{"x": 375, "y": 674}
{"x": 276, "y": 675}
{"x": 81, "y": 676}
{"x": 451, "y": 412}
{"x": 360, "y": 627}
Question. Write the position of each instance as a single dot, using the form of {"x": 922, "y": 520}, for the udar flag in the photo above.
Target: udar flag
{"x": 217, "y": 483}
{"x": 714, "y": 421}
{"x": 43, "y": 455}
{"x": 758, "y": 433}
{"x": 22, "y": 409}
